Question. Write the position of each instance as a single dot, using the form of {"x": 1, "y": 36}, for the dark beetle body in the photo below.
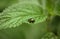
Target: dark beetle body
{"x": 31, "y": 20}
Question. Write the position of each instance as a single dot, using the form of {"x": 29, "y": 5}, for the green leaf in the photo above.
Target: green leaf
{"x": 19, "y": 13}
{"x": 53, "y": 7}
{"x": 54, "y": 26}
{"x": 49, "y": 35}
{"x": 25, "y": 31}
{"x": 5, "y": 3}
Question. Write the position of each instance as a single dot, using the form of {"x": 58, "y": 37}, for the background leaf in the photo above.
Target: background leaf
{"x": 49, "y": 35}
{"x": 54, "y": 26}
{"x": 5, "y": 3}
{"x": 53, "y": 6}
{"x": 25, "y": 31}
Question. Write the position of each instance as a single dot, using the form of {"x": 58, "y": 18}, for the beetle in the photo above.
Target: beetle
{"x": 31, "y": 20}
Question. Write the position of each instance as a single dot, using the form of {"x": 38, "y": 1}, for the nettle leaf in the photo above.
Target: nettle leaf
{"x": 49, "y": 36}
{"x": 19, "y": 13}
{"x": 25, "y": 31}
{"x": 53, "y": 7}
{"x": 8, "y": 2}
{"x": 53, "y": 24}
